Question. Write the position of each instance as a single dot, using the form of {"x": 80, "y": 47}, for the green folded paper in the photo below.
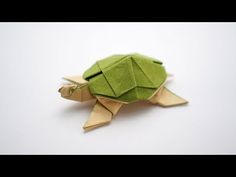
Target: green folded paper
{"x": 118, "y": 80}
{"x": 126, "y": 78}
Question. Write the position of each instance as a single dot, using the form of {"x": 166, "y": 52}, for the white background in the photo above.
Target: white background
{"x": 34, "y": 119}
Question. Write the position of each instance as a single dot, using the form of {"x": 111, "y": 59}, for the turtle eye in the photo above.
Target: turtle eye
{"x": 73, "y": 88}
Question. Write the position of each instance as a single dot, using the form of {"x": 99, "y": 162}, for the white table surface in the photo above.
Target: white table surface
{"x": 34, "y": 119}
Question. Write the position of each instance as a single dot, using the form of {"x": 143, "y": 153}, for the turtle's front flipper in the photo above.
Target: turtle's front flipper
{"x": 166, "y": 98}
{"x": 102, "y": 113}
{"x": 99, "y": 116}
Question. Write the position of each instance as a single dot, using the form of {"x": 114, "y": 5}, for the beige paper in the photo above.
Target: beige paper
{"x": 166, "y": 98}
{"x": 76, "y": 93}
{"x": 76, "y": 79}
{"x": 112, "y": 106}
{"x": 99, "y": 116}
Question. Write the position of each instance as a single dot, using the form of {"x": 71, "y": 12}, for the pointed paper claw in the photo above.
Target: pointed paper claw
{"x": 166, "y": 98}
{"x": 76, "y": 79}
{"x": 99, "y": 116}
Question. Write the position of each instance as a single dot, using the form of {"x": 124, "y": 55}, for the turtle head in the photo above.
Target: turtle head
{"x": 67, "y": 90}
{"x": 76, "y": 91}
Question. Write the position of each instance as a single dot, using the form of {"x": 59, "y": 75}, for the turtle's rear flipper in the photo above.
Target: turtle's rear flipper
{"x": 166, "y": 98}
{"x": 102, "y": 113}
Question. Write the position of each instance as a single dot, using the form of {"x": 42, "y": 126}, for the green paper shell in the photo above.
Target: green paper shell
{"x": 126, "y": 78}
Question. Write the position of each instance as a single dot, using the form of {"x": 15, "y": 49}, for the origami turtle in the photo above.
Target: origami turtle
{"x": 118, "y": 80}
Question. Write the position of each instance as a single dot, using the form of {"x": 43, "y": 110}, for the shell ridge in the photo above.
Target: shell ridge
{"x": 88, "y": 74}
{"x": 143, "y": 72}
{"x": 132, "y": 67}
{"x": 114, "y": 65}
{"x": 106, "y": 79}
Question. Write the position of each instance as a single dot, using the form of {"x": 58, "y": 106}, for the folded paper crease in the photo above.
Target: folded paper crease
{"x": 142, "y": 77}
{"x": 118, "y": 80}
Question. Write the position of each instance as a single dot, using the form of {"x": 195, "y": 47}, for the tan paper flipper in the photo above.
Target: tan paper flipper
{"x": 166, "y": 98}
{"x": 99, "y": 116}
{"x": 102, "y": 113}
